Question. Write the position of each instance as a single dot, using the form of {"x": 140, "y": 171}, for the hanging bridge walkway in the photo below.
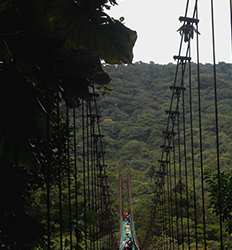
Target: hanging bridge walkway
{"x": 128, "y": 240}
{"x": 127, "y": 234}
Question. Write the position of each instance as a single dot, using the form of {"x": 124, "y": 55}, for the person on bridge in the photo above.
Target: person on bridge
{"x": 127, "y": 228}
{"x": 125, "y": 215}
{"x": 128, "y": 245}
{"x": 129, "y": 217}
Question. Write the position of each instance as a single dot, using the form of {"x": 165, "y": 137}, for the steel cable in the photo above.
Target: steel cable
{"x": 186, "y": 167}
{"x": 60, "y": 189}
{"x": 69, "y": 176}
{"x": 84, "y": 171}
{"x": 75, "y": 176}
{"x": 179, "y": 90}
{"x": 192, "y": 151}
{"x": 217, "y": 127}
{"x": 47, "y": 182}
{"x": 200, "y": 134}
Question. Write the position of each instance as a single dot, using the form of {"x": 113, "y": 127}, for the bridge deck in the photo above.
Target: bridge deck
{"x": 127, "y": 233}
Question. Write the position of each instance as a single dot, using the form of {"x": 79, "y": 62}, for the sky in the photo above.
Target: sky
{"x": 156, "y": 23}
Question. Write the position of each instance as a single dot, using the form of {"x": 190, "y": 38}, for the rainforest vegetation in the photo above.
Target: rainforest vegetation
{"x": 52, "y": 52}
{"x": 134, "y": 118}
{"x": 50, "y": 55}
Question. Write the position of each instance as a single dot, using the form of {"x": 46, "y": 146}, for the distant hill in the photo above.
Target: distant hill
{"x": 134, "y": 117}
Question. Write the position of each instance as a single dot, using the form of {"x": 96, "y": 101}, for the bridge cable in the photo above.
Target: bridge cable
{"x": 200, "y": 133}
{"x": 162, "y": 210}
{"x": 165, "y": 199}
{"x": 97, "y": 183}
{"x": 90, "y": 172}
{"x": 69, "y": 175}
{"x": 94, "y": 169}
{"x": 171, "y": 205}
{"x": 175, "y": 193}
{"x": 75, "y": 175}
{"x": 92, "y": 122}
{"x": 217, "y": 128}
{"x": 163, "y": 217}
{"x": 84, "y": 171}
{"x": 186, "y": 167}
{"x": 171, "y": 199}
{"x": 231, "y": 21}
{"x": 48, "y": 177}
{"x": 105, "y": 196}
{"x": 60, "y": 191}
{"x": 177, "y": 66}
{"x": 167, "y": 173}
{"x": 179, "y": 90}
{"x": 192, "y": 151}
{"x": 157, "y": 197}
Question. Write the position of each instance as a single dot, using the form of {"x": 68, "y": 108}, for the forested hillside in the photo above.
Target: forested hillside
{"x": 133, "y": 110}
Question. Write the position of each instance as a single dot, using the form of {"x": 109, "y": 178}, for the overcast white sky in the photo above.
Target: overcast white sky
{"x": 156, "y": 22}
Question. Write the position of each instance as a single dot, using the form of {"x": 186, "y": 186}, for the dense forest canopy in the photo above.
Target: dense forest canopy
{"x": 134, "y": 118}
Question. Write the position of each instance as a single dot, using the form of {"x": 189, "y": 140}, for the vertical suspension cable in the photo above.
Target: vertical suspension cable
{"x": 163, "y": 217}
{"x": 84, "y": 170}
{"x": 92, "y": 135}
{"x": 200, "y": 133}
{"x": 186, "y": 168}
{"x": 99, "y": 173}
{"x": 97, "y": 186}
{"x": 170, "y": 116}
{"x": 169, "y": 203}
{"x": 104, "y": 199}
{"x": 87, "y": 152}
{"x": 95, "y": 178}
{"x": 175, "y": 79}
{"x": 175, "y": 194}
{"x": 60, "y": 173}
{"x": 100, "y": 193}
{"x": 231, "y": 22}
{"x": 180, "y": 184}
{"x": 179, "y": 156}
{"x": 91, "y": 230}
{"x": 69, "y": 177}
{"x": 192, "y": 151}
{"x": 48, "y": 184}
{"x": 105, "y": 202}
{"x": 75, "y": 176}
{"x": 163, "y": 173}
{"x": 171, "y": 199}
{"x": 177, "y": 66}
{"x": 88, "y": 167}
{"x": 217, "y": 127}
{"x": 164, "y": 209}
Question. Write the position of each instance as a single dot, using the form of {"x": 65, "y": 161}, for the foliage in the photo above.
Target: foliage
{"x": 134, "y": 116}
{"x": 46, "y": 47}
{"x": 220, "y": 198}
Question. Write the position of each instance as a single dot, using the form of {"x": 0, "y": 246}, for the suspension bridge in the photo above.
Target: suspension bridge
{"x": 76, "y": 201}
{"x": 128, "y": 238}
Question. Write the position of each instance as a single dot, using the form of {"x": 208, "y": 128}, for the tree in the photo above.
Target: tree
{"x": 220, "y": 197}
{"x": 46, "y": 47}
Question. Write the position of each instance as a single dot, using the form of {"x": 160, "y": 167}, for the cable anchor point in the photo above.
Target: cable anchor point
{"x": 188, "y": 29}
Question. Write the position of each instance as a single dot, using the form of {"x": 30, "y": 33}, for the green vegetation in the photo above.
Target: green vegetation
{"x": 50, "y": 52}
{"x": 57, "y": 46}
{"x": 134, "y": 117}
